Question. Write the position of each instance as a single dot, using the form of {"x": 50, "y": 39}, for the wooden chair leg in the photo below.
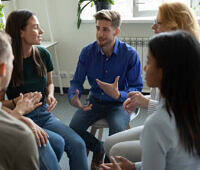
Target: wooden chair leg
{"x": 93, "y": 130}
{"x": 97, "y": 159}
{"x": 100, "y": 133}
{"x": 128, "y": 127}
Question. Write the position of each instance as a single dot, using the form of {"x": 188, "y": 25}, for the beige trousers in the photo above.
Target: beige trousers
{"x": 126, "y": 144}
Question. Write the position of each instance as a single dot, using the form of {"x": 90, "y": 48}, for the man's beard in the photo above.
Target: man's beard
{"x": 104, "y": 43}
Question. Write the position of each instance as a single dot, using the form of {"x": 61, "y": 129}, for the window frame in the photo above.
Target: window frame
{"x": 146, "y": 13}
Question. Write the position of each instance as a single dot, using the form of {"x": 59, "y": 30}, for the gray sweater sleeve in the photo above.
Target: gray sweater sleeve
{"x": 156, "y": 140}
{"x": 153, "y": 156}
{"x": 27, "y": 153}
{"x": 154, "y": 98}
{"x": 152, "y": 106}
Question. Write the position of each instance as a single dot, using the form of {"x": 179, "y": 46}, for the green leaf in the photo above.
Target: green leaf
{"x": 111, "y": 1}
{"x": 79, "y": 22}
{"x": 2, "y": 6}
{"x": 79, "y": 11}
{"x": 81, "y": 1}
{"x": 92, "y": 4}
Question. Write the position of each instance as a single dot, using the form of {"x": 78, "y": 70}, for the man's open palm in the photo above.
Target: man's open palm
{"x": 110, "y": 89}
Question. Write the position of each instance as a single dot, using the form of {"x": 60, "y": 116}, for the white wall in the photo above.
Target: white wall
{"x": 71, "y": 40}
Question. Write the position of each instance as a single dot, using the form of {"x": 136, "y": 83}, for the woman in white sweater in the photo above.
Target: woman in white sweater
{"x": 171, "y": 16}
{"x": 170, "y": 139}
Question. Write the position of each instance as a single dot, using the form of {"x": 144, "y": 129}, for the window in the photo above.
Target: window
{"x": 196, "y": 6}
{"x": 135, "y": 8}
{"x": 142, "y": 8}
{"x": 124, "y": 7}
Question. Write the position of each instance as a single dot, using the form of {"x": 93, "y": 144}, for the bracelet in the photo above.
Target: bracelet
{"x": 13, "y": 101}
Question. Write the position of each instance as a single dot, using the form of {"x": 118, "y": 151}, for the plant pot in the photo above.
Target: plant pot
{"x": 102, "y": 5}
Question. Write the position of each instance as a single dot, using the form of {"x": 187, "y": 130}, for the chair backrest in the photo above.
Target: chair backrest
{"x": 135, "y": 114}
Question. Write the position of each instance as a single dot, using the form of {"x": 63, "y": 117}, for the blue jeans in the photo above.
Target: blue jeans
{"x": 61, "y": 138}
{"x": 112, "y": 111}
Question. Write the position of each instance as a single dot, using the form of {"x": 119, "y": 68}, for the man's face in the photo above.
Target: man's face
{"x": 5, "y": 79}
{"x": 105, "y": 33}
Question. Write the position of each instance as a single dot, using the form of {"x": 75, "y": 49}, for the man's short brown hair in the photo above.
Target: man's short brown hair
{"x": 110, "y": 15}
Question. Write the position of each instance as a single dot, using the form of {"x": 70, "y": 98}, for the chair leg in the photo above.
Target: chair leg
{"x": 93, "y": 132}
{"x": 100, "y": 133}
{"x": 96, "y": 158}
{"x": 128, "y": 127}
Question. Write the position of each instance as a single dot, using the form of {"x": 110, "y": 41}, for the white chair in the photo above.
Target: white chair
{"x": 102, "y": 123}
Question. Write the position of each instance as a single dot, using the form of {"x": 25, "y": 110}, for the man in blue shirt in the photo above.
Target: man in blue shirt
{"x": 113, "y": 69}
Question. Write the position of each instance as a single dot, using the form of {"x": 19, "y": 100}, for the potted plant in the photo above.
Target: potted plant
{"x": 2, "y": 19}
{"x": 196, "y": 7}
{"x": 100, "y": 4}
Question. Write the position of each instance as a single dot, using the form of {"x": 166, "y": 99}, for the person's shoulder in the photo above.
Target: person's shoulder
{"x": 159, "y": 118}
{"x": 45, "y": 54}
{"x": 12, "y": 125}
{"x": 127, "y": 51}
{"x": 42, "y": 49}
{"x": 127, "y": 47}
{"x": 161, "y": 122}
{"x": 89, "y": 51}
{"x": 90, "y": 46}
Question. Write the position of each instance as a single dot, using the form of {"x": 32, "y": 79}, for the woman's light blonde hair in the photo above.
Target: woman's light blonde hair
{"x": 177, "y": 15}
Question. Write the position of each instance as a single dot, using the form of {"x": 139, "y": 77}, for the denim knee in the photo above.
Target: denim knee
{"x": 59, "y": 147}
{"x": 75, "y": 127}
{"x": 78, "y": 144}
{"x": 47, "y": 158}
{"x": 76, "y": 147}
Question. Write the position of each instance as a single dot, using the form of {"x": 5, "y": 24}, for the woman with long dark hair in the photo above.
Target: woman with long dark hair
{"x": 33, "y": 72}
{"x": 170, "y": 139}
{"x": 171, "y": 16}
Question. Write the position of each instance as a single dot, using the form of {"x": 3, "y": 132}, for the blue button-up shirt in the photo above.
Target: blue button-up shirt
{"x": 93, "y": 63}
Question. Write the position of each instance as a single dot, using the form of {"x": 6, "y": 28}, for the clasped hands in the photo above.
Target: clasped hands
{"x": 111, "y": 89}
{"x": 122, "y": 164}
{"x": 25, "y": 103}
{"x": 135, "y": 100}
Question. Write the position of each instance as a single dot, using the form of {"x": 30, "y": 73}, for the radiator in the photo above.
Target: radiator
{"x": 140, "y": 44}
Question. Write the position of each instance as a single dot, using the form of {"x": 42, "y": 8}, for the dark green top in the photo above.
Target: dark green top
{"x": 32, "y": 81}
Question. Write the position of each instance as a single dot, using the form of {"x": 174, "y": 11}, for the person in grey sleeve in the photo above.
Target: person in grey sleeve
{"x": 18, "y": 149}
{"x": 170, "y": 139}
{"x": 171, "y": 16}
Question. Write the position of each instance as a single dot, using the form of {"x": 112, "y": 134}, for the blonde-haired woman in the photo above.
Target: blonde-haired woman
{"x": 176, "y": 15}
{"x": 171, "y": 16}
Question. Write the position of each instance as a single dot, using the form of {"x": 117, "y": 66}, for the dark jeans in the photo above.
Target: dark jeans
{"x": 61, "y": 138}
{"x": 112, "y": 111}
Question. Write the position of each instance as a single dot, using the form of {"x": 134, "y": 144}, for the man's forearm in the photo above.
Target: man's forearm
{"x": 11, "y": 112}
